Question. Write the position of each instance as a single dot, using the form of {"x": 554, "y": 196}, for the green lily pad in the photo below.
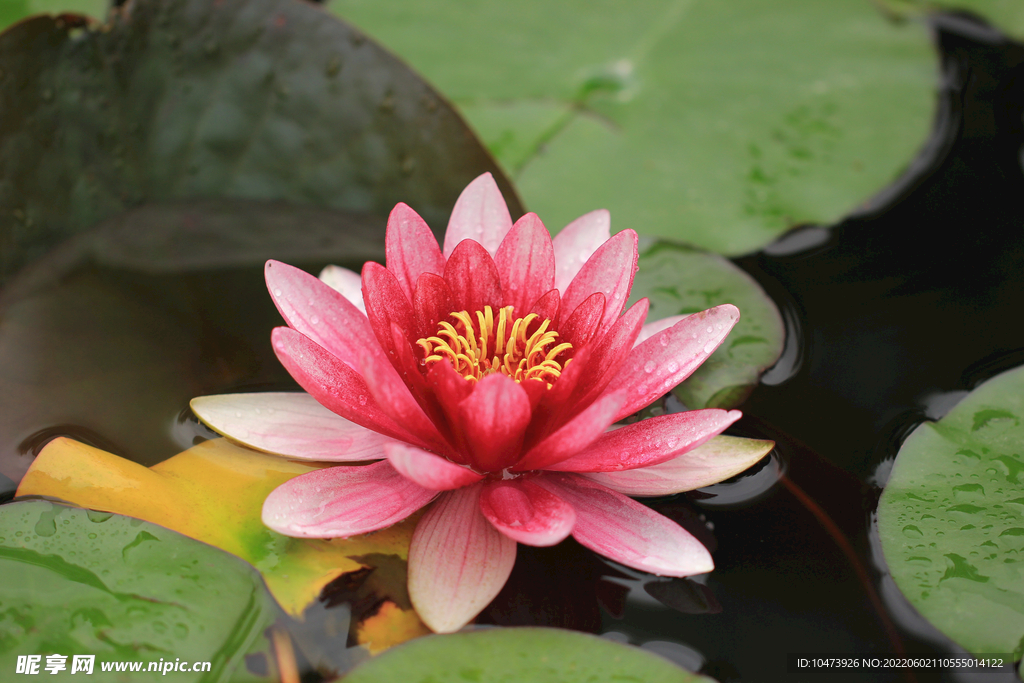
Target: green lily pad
{"x": 678, "y": 281}
{"x": 78, "y": 583}
{"x": 1006, "y": 15}
{"x": 249, "y": 99}
{"x": 951, "y": 518}
{"x": 720, "y": 124}
{"x": 518, "y": 655}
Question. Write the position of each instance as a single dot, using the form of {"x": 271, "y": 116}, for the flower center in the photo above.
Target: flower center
{"x": 478, "y": 348}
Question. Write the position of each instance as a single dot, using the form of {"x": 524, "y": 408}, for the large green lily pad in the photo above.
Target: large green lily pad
{"x": 518, "y": 655}
{"x": 951, "y": 518}
{"x": 678, "y": 281}
{"x": 1006, "y": 15}
{"x": 250, "y": 99}
{"x": 78, "y": 582}
{"x": 720, "y": 124}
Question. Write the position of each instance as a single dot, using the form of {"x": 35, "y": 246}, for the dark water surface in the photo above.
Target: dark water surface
{"x": 895, "y": 313}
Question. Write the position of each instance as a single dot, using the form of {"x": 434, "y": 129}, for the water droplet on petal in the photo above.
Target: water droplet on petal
{"x": 277, "y": 292}
{"x": 315, "y": 320}
{"x": 362, "y": 400}
{"x": 649, "y": 366}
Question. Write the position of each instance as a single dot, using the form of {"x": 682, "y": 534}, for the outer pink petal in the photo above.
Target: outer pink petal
{"x": 526, "y": 512}
{"x": 666, "y": 359}
{"x": 526, "y": 264}
{"x": 577, "y": 242}
{"x": 623, "y": 530}
{"x": 492, "y": 421}
{"x": 291, "y": 424}
{"x": 574, "y": 436}
{"x": 346, "y": 282}
{"x": 411, "y": 249}
{"x": 473, "y": 278}
{"x": 720, "y": 458}
{"x": 428, "y": 470}
{"x": 339, "y": 502}
{"x": 652, "y": 328}
{"x": 609, "y": 271}
{"x": 649, "y": 441}
{"x": 319, "y": 312}
{"x": 458, "y": 561}
{"x": 480, "y": 214}
{"x": 334, "y": 384}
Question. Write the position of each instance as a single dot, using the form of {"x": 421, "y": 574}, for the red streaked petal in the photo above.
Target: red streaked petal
{"x": 339, "y": 502}
{"x": 609, "y": 271}
{"x": 473, "y": 278}
{"x": 652, "y": 328}
{"x": 319, "y": 312}
{"x": 431, "y": 303}
{"x": 623, "y": 530}
{"x": 574, "y": 436}
{"x": 458, "y": 561}
{"x": 526, "y": 264}
{"x": 548, "y": 307}
{"x": 346, "y": 282}
{"x": 334, "y": 384}
{"x": 666, "y": 359}
{"x": 720, "y": 458}
{"x": 526, "y": 512}
{"x": 480, "y": 214}
{"x": 289, "y": 423}
{"x": 649, "y": 442}
{"x": 492, "y": 421}
{"x": 386, "y": 304}
{"x": 410, "y": 248}
{"x": 428, "y": 470}
{"x": 582, "y": 323}
{"x": 577, "y": 242}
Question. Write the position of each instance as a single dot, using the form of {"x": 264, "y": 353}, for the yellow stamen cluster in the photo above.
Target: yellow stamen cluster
{"x": 501, "y": 345}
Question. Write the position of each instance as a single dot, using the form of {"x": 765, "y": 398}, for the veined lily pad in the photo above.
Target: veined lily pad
{"x": 214, "y": 493}
{"x": 252, "y": 99}
{"x": 719, "y": 124}
{"x": 78, "y": 582}
{"x": 678, "y": 281}
{"x": 951, "y": 518}
{"x": 518, "y": 655}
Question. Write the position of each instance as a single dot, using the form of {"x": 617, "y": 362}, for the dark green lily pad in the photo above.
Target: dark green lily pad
{"x": 1006, "y": 15}
{"x": 14, "y": 10}
{"x": 519, "y": 655}
{"x": 78, "y": 582}
{"x": 678, "y": 281}
{"x": 951, "y": 518}
{"x": 720, "y": 124}
{"x": 251, "y": 99}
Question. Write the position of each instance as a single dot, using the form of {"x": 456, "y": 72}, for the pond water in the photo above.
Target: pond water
{"x": 894, "y": 314}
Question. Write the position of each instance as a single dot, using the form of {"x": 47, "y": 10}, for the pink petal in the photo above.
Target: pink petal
{"x": 428, "y": 470}
{"x": 623, "y": 530}
{"x": 334, "y": 384}
{"x": 548, "y": 306}
{"x": 652, "y": 328}
{"x": 411, "y": 249}
{"x": 319, "y": 312}
{"x": 291, "y": 424}
{"x": 526, "y": 264}
{"x": 609, "y": 271}
{"x": 473, "y": 278}
{"x": 720, "y": 458}
{"x": 493, "y": 420}
{"x": 339, "y": 502}
{"x": 577, "y": 242}
{"x": 526, "y": 512}
{"x": 649, "y": 442}
{"x": 431, "y": 303}
{"x": 346, "y": 282}
{"x": 574, "y": 436}
{"x": 480, "y": 214}
{"x": 458, "y": 562}
{"x": 666, "y": 359}
{"x": 386, "y": 304}
{"x": 581, "y": 325}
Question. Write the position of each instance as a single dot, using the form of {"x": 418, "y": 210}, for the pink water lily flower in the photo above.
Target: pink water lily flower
{"x": 484, "y": 378}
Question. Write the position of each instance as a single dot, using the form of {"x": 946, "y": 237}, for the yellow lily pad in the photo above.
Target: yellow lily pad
{"x": 391, "y": 625}
{"x": 214, "y": 492}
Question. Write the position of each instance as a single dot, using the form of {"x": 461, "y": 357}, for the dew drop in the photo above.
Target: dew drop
{"x": 277, "y": 292}
{"x": 315, "y": 320}
{"x": 649, "y": 366}
{"x": 362, "y": 400}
